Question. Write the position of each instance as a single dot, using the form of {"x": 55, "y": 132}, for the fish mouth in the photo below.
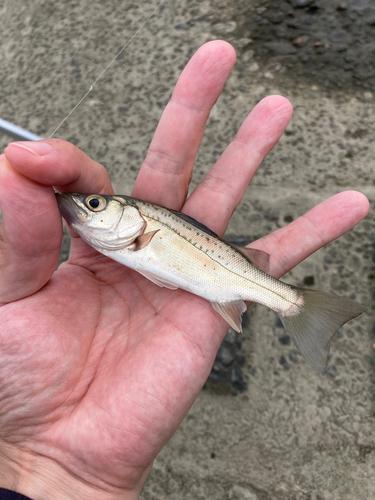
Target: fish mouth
{"x": 69, "y": 209}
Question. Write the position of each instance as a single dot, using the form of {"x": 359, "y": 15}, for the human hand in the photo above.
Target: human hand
{"x": 99, "y": 366}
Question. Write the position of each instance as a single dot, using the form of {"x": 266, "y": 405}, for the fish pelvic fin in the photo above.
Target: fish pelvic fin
{"x": 231, "y": 312}
{"x": 162, "y": 282}
{"x": 316, "y": 322}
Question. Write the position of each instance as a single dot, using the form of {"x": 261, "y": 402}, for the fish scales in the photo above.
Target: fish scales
{"x": 209, "y": 261}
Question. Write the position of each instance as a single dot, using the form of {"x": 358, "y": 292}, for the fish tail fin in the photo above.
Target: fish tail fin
{"x": 318, "y": 318}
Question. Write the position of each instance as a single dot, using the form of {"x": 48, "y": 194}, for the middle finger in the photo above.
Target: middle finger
{"x": 166, "y": 172}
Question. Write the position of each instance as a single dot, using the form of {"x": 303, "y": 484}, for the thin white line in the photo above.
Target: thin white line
{"x": 104, "y": 70}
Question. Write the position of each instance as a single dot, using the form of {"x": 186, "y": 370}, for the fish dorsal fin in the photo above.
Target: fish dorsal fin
{"x": 258, "y": 258}
{"x": 232, "y": 312}
{"x": 162, "y": 282}
{"x": 194, "y": 222}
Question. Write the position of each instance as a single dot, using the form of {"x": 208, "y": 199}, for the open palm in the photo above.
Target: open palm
{"x": 98, "y": 366}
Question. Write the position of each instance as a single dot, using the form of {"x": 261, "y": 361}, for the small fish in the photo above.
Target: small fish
{"x": 175, "y": 251}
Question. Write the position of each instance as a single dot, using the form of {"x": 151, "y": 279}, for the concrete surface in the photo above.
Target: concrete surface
{"x": 292, "y": 435}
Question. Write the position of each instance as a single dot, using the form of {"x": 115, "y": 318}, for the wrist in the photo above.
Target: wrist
{"x": 41, "y": 478}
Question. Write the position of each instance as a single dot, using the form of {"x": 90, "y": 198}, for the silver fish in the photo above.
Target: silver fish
{"x": 175, "y": 251}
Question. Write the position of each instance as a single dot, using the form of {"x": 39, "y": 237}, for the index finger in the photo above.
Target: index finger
{"x": 31, "y": 230}
{"x": 54, "y": 162}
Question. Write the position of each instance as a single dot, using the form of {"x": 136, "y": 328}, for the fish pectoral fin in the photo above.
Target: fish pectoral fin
{"x": 259, "y": 258}
{"x": 157, "y": 279}
{"x": 231, "y": 312}
{"x": 143, "y": 240}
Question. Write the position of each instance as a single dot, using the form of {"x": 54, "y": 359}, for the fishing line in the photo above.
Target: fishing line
{"x": 104, "y": 70}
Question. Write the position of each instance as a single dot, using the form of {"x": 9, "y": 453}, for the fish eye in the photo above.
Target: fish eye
{"x": 95, "y": 202}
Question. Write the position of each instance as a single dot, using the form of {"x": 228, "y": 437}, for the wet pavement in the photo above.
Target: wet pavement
{"x": 326, "y": 41}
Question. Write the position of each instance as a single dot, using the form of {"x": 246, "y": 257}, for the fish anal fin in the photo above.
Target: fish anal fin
{"x": 259, "y": 258}
{"x": 162, "y": 282}
{"x": 143, "y": 240}
{"x": 231, "y": 312}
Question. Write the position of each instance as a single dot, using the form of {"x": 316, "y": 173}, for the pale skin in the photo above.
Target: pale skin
{"x": 99, "y": 366}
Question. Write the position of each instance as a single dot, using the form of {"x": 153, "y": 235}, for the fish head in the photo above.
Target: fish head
{"x": 104, "y": 222}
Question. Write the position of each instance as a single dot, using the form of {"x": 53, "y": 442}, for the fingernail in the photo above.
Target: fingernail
{"x": 37, "y": 148}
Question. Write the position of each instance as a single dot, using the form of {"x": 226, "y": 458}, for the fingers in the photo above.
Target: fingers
{"x": 324, "y": 223}
{"x": 30, "y": 234}
{"x": 31, "y": 230}
{"x": 166, "y": 172}
{"x": 58, "y": 163}
{"x": 224, "y": 186}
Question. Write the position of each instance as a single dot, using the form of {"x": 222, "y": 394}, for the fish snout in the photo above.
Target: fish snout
{"x": 69, "y": 209}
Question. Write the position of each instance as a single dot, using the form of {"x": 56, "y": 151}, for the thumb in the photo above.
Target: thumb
{"x": 30, "y": 234}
